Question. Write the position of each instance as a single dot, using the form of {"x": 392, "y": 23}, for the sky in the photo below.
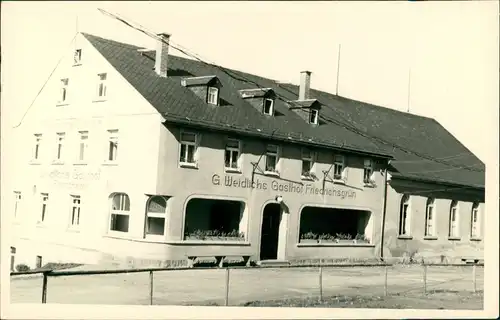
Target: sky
{"x": 451, "y": 49}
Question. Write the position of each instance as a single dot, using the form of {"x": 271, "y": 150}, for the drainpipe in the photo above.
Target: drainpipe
{"x": 383, "y": 217}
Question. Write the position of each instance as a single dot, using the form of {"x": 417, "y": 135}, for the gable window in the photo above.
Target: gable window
{"x": 12, "y": 258}
{"x": 188, "y": 148}
{"x": 307, "y": 162}
{"x": 338, "y": 167}
{"x": 84, "y": 136}
{"x": 272, "y": 158}
{"x": 368, "y": 172}
{"x": 156, "y": 211}
{"x": 430, "y": 218}
{"x": 44, "y": 201}
{"x": 404, "y": 216}
{"x": 475, "y": 230}
{"x": 232, "y": 154}
{"x": 213, "y": 95}
{"x": 60, "y": 145}
{"x": 17, "y": 202}
{"x": 38, "y": 262}
{"x": 120, "y": 212}
{"x": 313, "y": 116}
{"x": 75, "y": 211}
{"x": 77, "y": 58}
{"x": 63, "y": 94}
{"x": 101, "y": 85}
{"x": 454, "y": 224}
{"x": 112, "y": 145}
{"x": 268, "y": 107}
{"x": 38, "y": 142}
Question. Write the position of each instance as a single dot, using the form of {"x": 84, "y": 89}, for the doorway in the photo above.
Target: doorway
{"x": 271, "y": 219}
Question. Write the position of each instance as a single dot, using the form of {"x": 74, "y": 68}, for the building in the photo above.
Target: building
{"x": 144, "y": 157}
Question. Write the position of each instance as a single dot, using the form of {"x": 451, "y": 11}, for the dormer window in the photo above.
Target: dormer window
{"x": 269, "y": 107}
{"x": 313, "y": 116}
{"x": 213, "y": 95}
{"x": 77, "y": 59}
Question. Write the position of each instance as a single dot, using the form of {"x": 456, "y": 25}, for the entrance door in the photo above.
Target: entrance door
{"x": 271, "y": 218}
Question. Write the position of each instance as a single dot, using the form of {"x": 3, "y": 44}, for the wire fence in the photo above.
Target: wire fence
{"x": 239, "y": 285}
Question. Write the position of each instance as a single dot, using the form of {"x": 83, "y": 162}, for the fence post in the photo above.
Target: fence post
{"x": 425, "y": 279}
{"x": 151, "y": 287}
{"x": 385, "y": 281}
{"x": 226, "y": 302}
{"x": 474, "y": 278}
{"x": 320, "y": 283}
{"x": 44, "y": 288}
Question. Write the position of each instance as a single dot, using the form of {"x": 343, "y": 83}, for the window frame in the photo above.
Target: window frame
{"x": 44, "y": 204}
{"x": 113, "y": 144}
{"x": 82, "y": 146}
{"x": 430, "y": 207}
{"x": 370, "y": 181}
{"x": 102, "y": 87}
{"x": 454, "y": 225}
{"x": 63, "y": 91}
{"x": 187, "y": 144}
{"x": 311, "y": 159}
{"x": 37, "y": 147}
{"x": 475, "y": 227}
{"x": 275, "y": 154}
{"x": 342, "y": 176}
{"x": 213, "y": 91}
{"x": 404, "y": 228}
{"x": 13, "y": 252}
{"x": 61, "y": 141}
{"x": 231, "y": 149}
{"x": 17, "y": 203}
{"x": 313, "y": 119}
{"x": 77, "y": 61}
{"x": 150, "y": 214}
{"x": 271, "y": 107}
{"x": 73, "y": 206}
{"x": 120, "y": 211}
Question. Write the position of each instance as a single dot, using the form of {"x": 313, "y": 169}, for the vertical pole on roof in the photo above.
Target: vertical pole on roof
{"x": 338, "y": 72}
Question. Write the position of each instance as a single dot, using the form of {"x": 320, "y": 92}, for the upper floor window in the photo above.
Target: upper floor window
{"x": 313, "y": 116}
{"x": 38, "y": 142}
{"x": 272, "y": 158}
{"x": 17, "y": 202}
{"x": 75, "y": 211}
{"x": 82, "y": 151}
{"x": 368, "y": 172}
{"x": 77, "y": 58}
{"x": 475, "y": 229}
{"x": 339, "y": 167}
{"x": 232, "y": 154}
{"x": 454, "y": 229}
{"x": 112, "y": 145}
{"x": 156, "y": 210}
{"x": 430, "y": 218}
{"x": 120, "y": 212}
{"x": 404, "y": 216}
{"x": 101, "y": 85}
{"x": 61, "y": 136}
{"x": 213, "y": 95}
{"x": 307, "y": 162}
{"x": 63, "y": 94}
{"x": 268, "y": 107}
{"x": 44, "y": 202}
{"x": 188, "y": 148}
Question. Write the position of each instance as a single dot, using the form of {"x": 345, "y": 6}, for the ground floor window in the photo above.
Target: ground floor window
{"x": 156, "y": 210}
{"x": 120, "y": 212}
{"x": 211, "y": 219}
{"x": 334, "y": 225}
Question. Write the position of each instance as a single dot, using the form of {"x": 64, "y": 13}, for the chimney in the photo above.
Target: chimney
{"x": 305, "y": 84}
{"x": 161, "y": 60}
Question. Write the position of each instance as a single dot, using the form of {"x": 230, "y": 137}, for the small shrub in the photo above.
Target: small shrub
{"x": 343, "y": 236}
{"x": 22, "y": 267}
{"x": 309, "y": 235}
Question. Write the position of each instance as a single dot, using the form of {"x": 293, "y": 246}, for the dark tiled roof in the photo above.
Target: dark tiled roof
{"x": 345, "y": 123}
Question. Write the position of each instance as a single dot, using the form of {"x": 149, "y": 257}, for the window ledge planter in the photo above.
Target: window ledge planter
{"x": 218, "y": 239}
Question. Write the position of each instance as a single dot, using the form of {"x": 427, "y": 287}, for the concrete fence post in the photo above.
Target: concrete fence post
{"x": 226, "y": 302}
{"x": 425, "y": 279}
{"x": 385, "y": 281}
{"x": 474, "y": 278}
{"x": 320, "y": 283}
{"x": 151, "y": 287}
{"x": 44, "y": 288}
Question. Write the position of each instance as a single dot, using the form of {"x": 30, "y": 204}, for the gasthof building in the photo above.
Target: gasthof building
{"x": 141, "y": 156}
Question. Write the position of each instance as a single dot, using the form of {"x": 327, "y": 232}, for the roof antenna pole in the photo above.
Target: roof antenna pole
{"x": 409, "y": 91}
{"x": 338, "y": 72}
